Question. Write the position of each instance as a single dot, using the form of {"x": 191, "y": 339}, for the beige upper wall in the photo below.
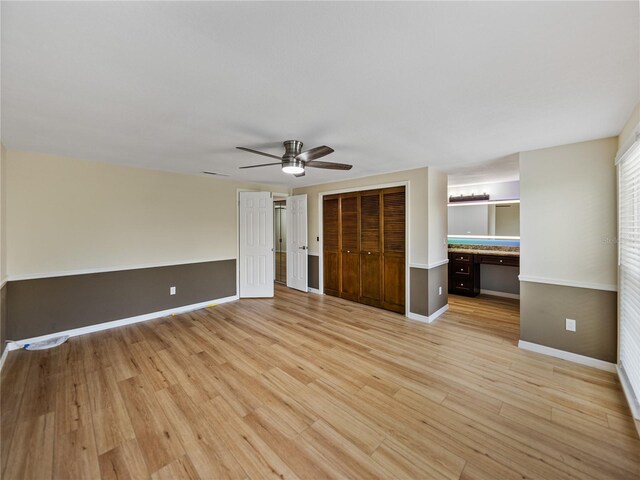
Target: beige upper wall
{"x": 627, "y": 133}
{"x": 438, "y": 216}
{"x": 67, "y": 214}
{"x": 418, "y": 209}
{"x": 3, "y": 215}
{"x": 568, "y": 213}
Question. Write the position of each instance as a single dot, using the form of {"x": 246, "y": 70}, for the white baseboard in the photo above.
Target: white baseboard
{"x": 119, "y": 323}
{"x": 496, "y": 293}
{"x": 417, "y": 317}
{"x": 314, "y": 290}
{"x": 438, "y": 312}
{"x": 634, "y": 404}
{"x": 427, "y": 319}
{"x": 572, "y": 357}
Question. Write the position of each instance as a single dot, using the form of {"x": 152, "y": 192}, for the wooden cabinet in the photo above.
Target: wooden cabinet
{"x": 464, "y": 270}
{"x": 464, "y": 274}
{"x": 364, "y": 247}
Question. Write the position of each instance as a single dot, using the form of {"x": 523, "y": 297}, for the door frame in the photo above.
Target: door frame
{"x": 407, "y": 229}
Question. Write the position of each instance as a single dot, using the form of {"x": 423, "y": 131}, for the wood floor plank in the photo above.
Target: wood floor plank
{"x": 310, "y": 386}
{"x": 156, "y": 437}
{"x": 124, "y": 462}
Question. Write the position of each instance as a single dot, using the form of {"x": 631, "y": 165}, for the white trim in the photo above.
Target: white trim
{"x": 3, "y": 282}
{"x": 84, "y": 271}
{"x": 438, "y": 312}
{"x": 496, "y": 293}
{"x": 568, "y": 283}
{"x": 430, "y": 265}
{"x": 633, "y": 402}
{"x": 315, "y": 290}
{"x": 119, "y": 323}
{"x": 572, "y": 357}
{"x": 431, "y": 318}
{"x": 417, "y": 317}
{"x": 4, "y": 355}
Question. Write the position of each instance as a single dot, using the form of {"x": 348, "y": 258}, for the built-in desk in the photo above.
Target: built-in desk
{"x": 464, "y": 267}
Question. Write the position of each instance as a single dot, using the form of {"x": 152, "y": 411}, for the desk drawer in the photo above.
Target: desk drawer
{"x": 460, "y": 268}
{"x": 500, "y": 260}
{"x": 461, "y": 257}
{"x": 463, "y": 285}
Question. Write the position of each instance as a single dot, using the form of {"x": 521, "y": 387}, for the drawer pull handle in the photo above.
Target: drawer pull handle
{"x": 462, "y": 284}
{"x": 462, "y": 269}
{"x": 500, "y": 261}
{"x": 369, "y": 253}
{"x": 348, "y": 251}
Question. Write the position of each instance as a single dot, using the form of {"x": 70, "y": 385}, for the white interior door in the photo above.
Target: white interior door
{"x": 256, "y": 244}
{"x": 297, "y": 248}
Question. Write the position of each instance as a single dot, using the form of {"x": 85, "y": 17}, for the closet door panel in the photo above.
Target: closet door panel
{"x": 394, "y": 244}
{"x": 370, "y": 278}
{"x": 349, "y": 246}
{"x": 394, "y": 280}
{"x": 331, "y": 242}
{"x": 370, "y": 243}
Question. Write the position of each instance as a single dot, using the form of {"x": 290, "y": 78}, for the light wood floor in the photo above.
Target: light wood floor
{"x": 305, "y": 386}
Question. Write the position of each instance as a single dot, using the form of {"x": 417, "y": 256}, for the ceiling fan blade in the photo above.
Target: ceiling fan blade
{"x": 262, "y": 165}
{"x": 314, "y": 153}
{"x": 259, "y": 153}
{"x": 216, "y": 174}
{"x": 329, "y": 165}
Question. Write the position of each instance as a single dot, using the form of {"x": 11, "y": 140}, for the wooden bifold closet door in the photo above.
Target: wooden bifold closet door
{"x": 370, "y": 248}
{"x": 364, "y": 247}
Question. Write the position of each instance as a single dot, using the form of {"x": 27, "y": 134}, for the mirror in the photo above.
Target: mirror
{"x": 486, "y": 219}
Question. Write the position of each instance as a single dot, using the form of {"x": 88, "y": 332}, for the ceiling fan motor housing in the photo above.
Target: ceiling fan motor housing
{"x": 292, "y": 148}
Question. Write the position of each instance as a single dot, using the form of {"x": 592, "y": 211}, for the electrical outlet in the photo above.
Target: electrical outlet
{"x": 439, "y": 290}
{"x": 172, "y": 290}
{"x": 570, "y": 325}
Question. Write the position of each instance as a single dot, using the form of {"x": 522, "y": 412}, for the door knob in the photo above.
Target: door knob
{"x": 304, "y": 247}
{"x": 369, "y": 253}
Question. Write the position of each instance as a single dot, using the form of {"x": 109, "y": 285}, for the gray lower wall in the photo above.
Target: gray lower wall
{"x": 438, "y": 277}
{"x": 314, "y": 272}
{"x": 3, "y": 318}
{"x": 544, "y": 309}
{"x": 48, "y": 305}
{"x": 500, "y": 278}
{"x": 424, "y": 297}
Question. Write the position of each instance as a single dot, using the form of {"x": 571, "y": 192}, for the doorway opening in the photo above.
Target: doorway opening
{"x": 280, "y": 241}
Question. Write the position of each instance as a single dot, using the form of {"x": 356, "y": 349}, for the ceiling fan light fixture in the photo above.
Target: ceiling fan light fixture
{"x": 293, "y": 167}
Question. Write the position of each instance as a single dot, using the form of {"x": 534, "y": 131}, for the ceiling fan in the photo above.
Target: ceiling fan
{"x": 295, "y": 160}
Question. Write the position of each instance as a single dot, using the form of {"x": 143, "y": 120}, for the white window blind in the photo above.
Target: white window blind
{"x": 629, "y": 272}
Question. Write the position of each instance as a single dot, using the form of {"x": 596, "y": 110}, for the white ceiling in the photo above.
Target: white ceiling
{"x": 177, "y": 85}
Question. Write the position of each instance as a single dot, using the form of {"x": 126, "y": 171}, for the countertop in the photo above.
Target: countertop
{"x": 502, "y": 253}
